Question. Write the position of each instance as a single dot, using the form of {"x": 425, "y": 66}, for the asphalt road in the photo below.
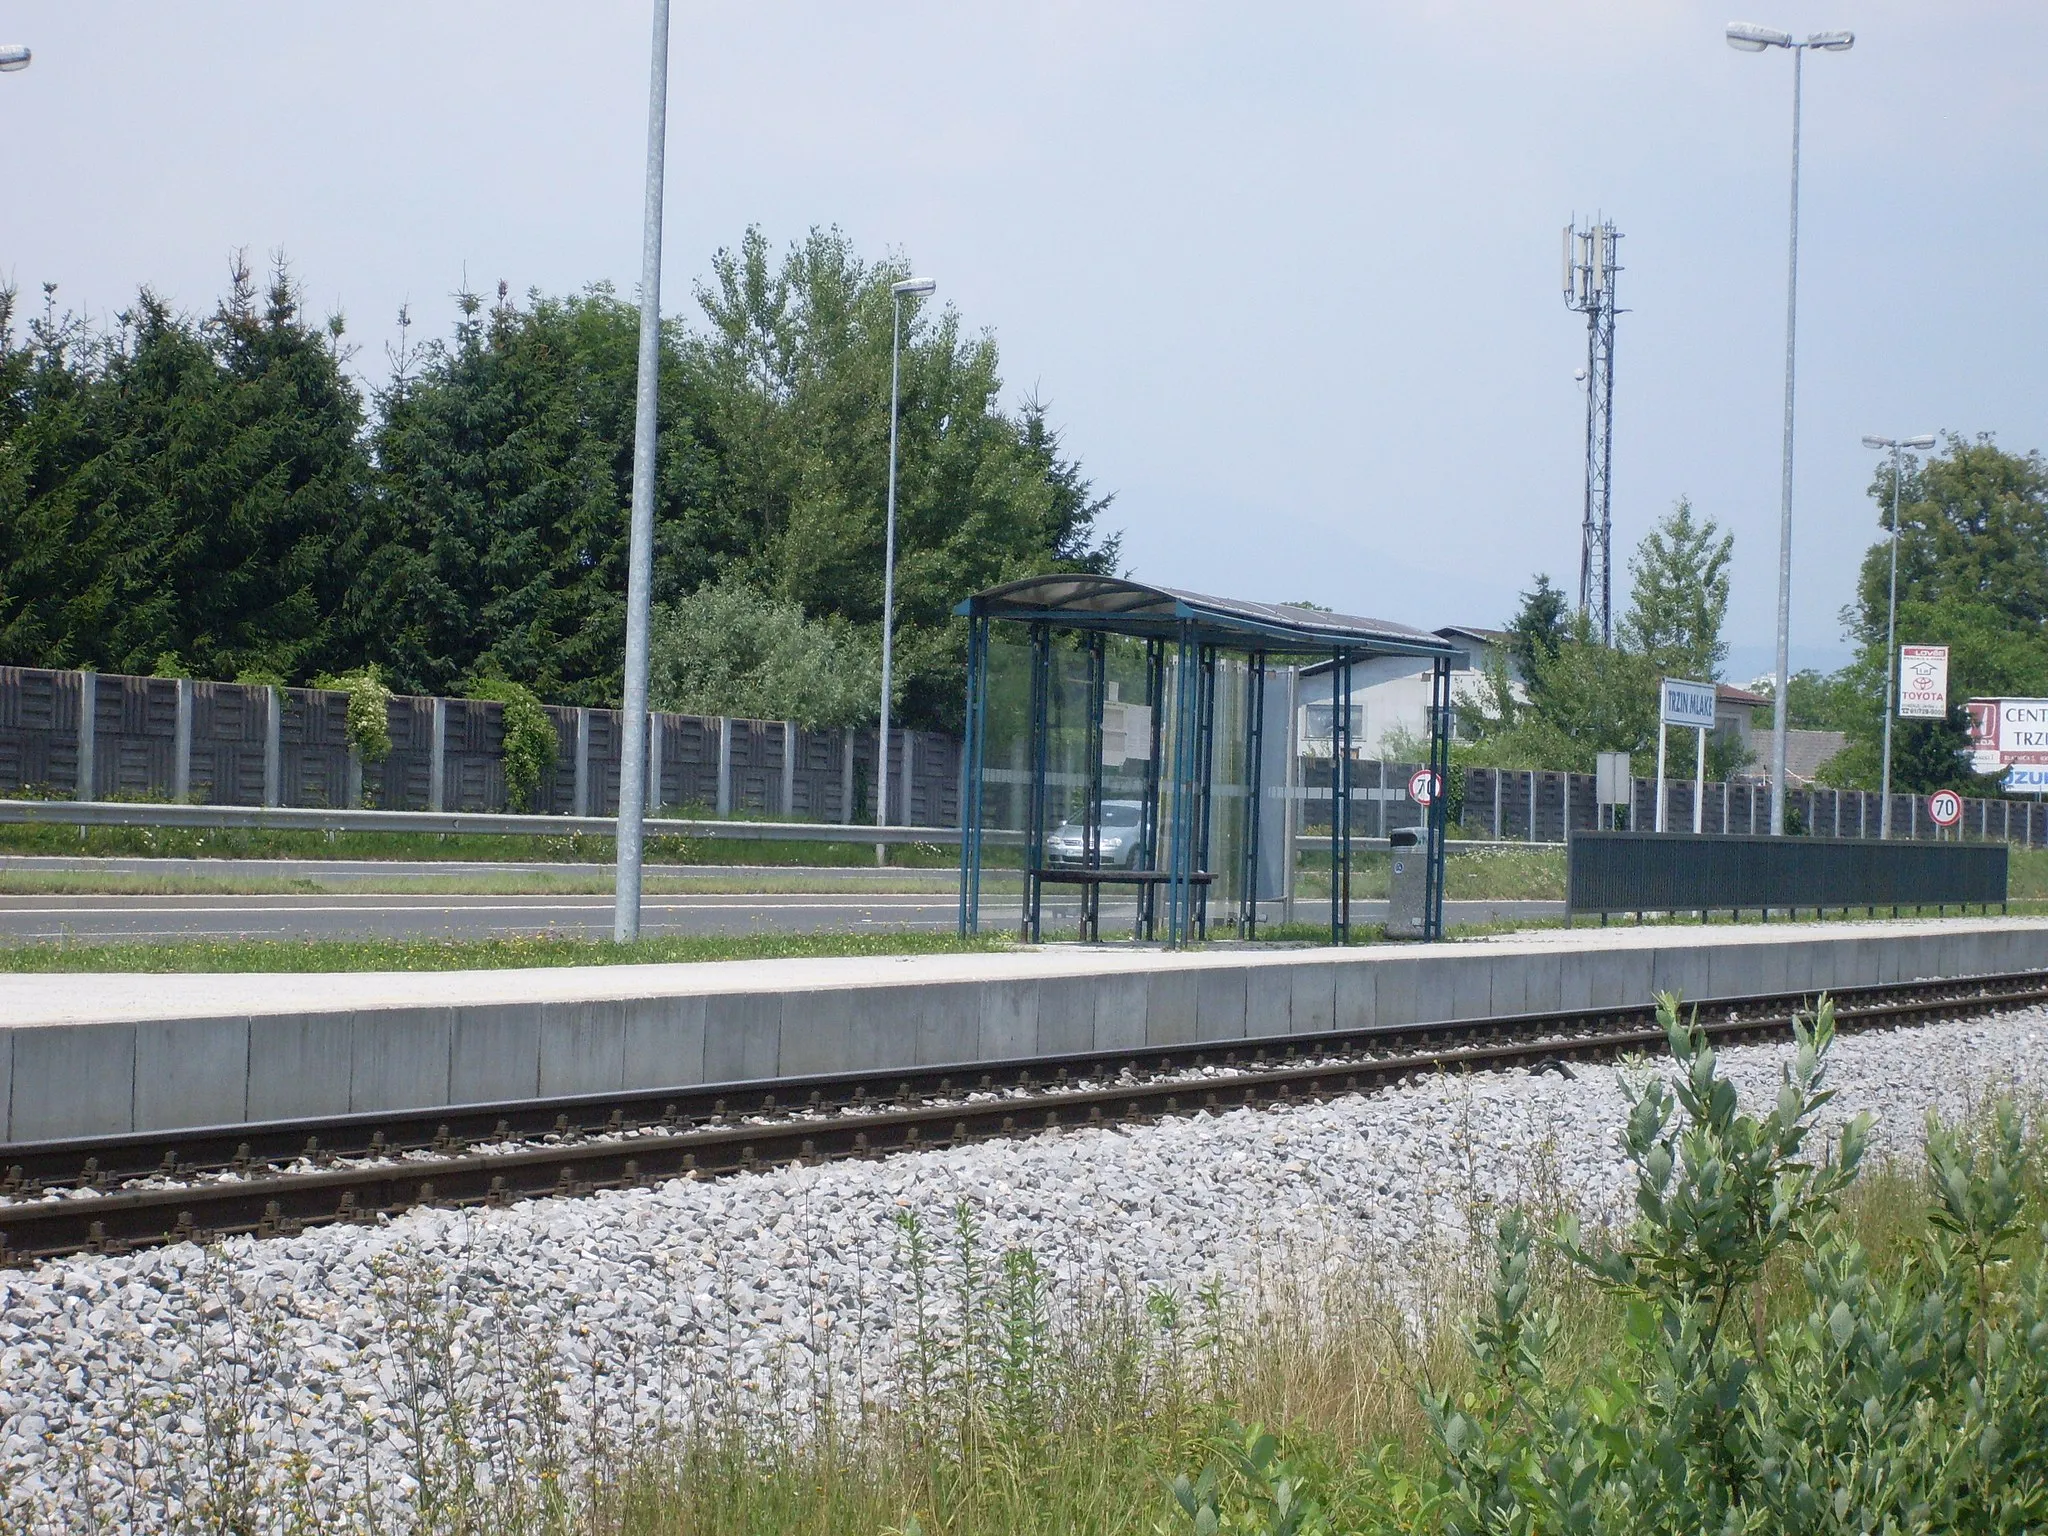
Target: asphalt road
{"x": 338, "y": 916}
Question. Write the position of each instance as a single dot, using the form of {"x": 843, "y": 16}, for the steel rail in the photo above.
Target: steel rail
{"x": 699, "y": 1131}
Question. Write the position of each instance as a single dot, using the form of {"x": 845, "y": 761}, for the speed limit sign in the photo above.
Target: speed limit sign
{"x": 1422, "y": 786}
{"x": 1945, "y": 807}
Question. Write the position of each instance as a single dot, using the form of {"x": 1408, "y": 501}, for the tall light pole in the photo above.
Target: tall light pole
{"x": 1754, "y": 39}
{"x": 910, "y": 287}
{"x": 1891, "y": 626}
{"x": 640, "y": 542}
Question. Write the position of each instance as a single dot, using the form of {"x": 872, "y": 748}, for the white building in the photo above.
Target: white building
{"x": 1390, "y": 695}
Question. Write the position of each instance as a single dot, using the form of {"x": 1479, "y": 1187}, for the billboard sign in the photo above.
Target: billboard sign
{"x": 2008, "y": 732}
{"x": 2026, "y": 779}
{"x": 1923, "y": 682}
{"x": 1688, "y": 704}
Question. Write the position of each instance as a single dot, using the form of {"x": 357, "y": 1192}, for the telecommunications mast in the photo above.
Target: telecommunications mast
{"x": 1589, "y": 268}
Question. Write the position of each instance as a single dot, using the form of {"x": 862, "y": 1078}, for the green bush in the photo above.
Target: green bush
{"x": 529, "y": 742}
{"x": 369, "y": 710}
{"x": 730, "y": 650}
{"x": 1909, "y": 1399}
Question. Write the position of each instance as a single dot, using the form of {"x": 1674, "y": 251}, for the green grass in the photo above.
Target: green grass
{"x": 304, "y": 955}
{"x": 749, "y": 882}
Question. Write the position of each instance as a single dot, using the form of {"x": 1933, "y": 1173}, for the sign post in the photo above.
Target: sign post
{"x": 1690, "y": 704}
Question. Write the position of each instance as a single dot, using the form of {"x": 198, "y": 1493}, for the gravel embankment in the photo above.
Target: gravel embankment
{"x": 153, "y": 1369}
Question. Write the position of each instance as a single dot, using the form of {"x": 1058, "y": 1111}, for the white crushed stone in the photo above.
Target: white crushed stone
{"x": 776, "y": 1288}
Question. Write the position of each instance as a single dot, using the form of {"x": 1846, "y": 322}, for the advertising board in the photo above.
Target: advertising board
{"x": 2006, "y": 733}
{"x": 1923, "y": 682}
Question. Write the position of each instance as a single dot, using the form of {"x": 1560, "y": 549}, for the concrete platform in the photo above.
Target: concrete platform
{"x": 103, "y": 1054}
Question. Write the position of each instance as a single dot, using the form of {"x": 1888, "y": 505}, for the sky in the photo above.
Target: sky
{"x": 1287, "y": 275}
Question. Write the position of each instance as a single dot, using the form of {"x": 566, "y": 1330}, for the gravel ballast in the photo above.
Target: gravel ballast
{"x": 151, "y": 1372}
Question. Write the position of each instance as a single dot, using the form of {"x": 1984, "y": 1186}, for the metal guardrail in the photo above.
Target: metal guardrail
{"x": 122, "y": 813}
{"x": 1451, "y": 844}
{"x": 1608, "y": 872}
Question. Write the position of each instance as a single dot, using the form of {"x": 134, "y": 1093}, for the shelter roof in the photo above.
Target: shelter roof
{"x": 1116, "y": 606}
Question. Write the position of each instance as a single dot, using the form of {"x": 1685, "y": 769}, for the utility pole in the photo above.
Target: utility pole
{"x": 640, "y": 546}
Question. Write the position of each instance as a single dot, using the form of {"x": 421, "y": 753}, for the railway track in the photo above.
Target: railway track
{"x": 109, "y": 1194}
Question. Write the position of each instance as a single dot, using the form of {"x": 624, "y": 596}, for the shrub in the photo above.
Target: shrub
{"x": 1911, "y": 1400}
{"x": 369, "y": 710}
{"x": 529, "y": 742}
{"x": 730, "y": 650}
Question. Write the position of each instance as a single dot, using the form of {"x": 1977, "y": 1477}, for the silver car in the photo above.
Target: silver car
{"x": 1122, "y": 837}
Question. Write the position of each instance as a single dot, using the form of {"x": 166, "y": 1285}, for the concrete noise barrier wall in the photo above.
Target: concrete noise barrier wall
{"x": 92, "y": 736}
{"x": 106, "y": 1055}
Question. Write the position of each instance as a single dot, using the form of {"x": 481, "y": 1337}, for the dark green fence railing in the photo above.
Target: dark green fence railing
{"x": 1608, "y": 872}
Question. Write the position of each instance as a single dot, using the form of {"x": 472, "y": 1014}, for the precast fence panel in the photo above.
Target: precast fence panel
{"x": 152, "y": 739}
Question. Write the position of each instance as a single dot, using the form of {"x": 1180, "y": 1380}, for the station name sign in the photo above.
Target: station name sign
{"x": 2007, "y": 733}
{"x": 1923, "y": 682}
{"x": 1688, "y": 704}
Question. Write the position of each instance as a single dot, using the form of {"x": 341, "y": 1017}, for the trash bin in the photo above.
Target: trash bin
{"x": 1407, "y": 884}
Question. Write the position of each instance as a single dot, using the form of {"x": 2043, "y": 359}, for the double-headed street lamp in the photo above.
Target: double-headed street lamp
{"x": 910, "y": 287}
{"x": 1751, "y": 38}
{"x": 1891, "y": 622}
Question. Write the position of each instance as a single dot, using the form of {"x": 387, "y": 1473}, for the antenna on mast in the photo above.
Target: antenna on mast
{"x": 1589, "y": 268}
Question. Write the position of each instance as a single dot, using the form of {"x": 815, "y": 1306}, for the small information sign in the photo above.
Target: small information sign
{"x": 1611, "y": 778}
{"x": 1688, "y": 704}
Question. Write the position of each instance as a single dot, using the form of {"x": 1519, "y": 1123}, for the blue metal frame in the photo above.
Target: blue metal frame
{"x": 1147, "y": 925}
{"x": 1438, "y": 818}
{"x": 1340, "y": 802}
{"x": 973, "y": 749}
{"x": 1034, "y": 831}
{"x": 1255, "y": 759}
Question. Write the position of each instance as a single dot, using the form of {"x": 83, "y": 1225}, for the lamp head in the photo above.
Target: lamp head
{"x": 1831, "y": 42}
{"x": 1751, "y": 38}
{"x": 14, "y": 56}
{"x": 913, "y": 285}
{"x": 1925, "y": 440}
{"x": 1878, "y": 442}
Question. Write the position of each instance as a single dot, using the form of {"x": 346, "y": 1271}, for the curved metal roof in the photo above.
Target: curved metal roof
{"x": 1131, "y": 608}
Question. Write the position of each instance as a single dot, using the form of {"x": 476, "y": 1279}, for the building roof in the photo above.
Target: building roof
{"x": 1475, "y": 632}
{"x": 1728, "y": 693}
{"x": 1806, "y": 752}
{"x": 1116, "y": 606}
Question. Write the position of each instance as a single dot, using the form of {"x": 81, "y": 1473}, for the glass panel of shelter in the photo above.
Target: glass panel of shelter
{"x": 1096, "y": 716}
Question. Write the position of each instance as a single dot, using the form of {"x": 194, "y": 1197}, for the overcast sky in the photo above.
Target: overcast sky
{"x": 1287, "y": 274}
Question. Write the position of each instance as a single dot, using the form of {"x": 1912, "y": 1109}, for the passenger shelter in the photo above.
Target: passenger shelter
{"x": 1124, "y": 738}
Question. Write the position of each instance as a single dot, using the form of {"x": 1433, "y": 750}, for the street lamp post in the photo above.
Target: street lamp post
{"x": 1891, "y": 624}
{"x": 910, "y": 287}
{"x": 1751, "y": 38}
{"x": 640, "y": 540}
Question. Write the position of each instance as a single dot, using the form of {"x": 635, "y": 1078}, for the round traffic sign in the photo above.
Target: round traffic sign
{"x": 1945, "y": 807}
{"x": 1422, "y": 786}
